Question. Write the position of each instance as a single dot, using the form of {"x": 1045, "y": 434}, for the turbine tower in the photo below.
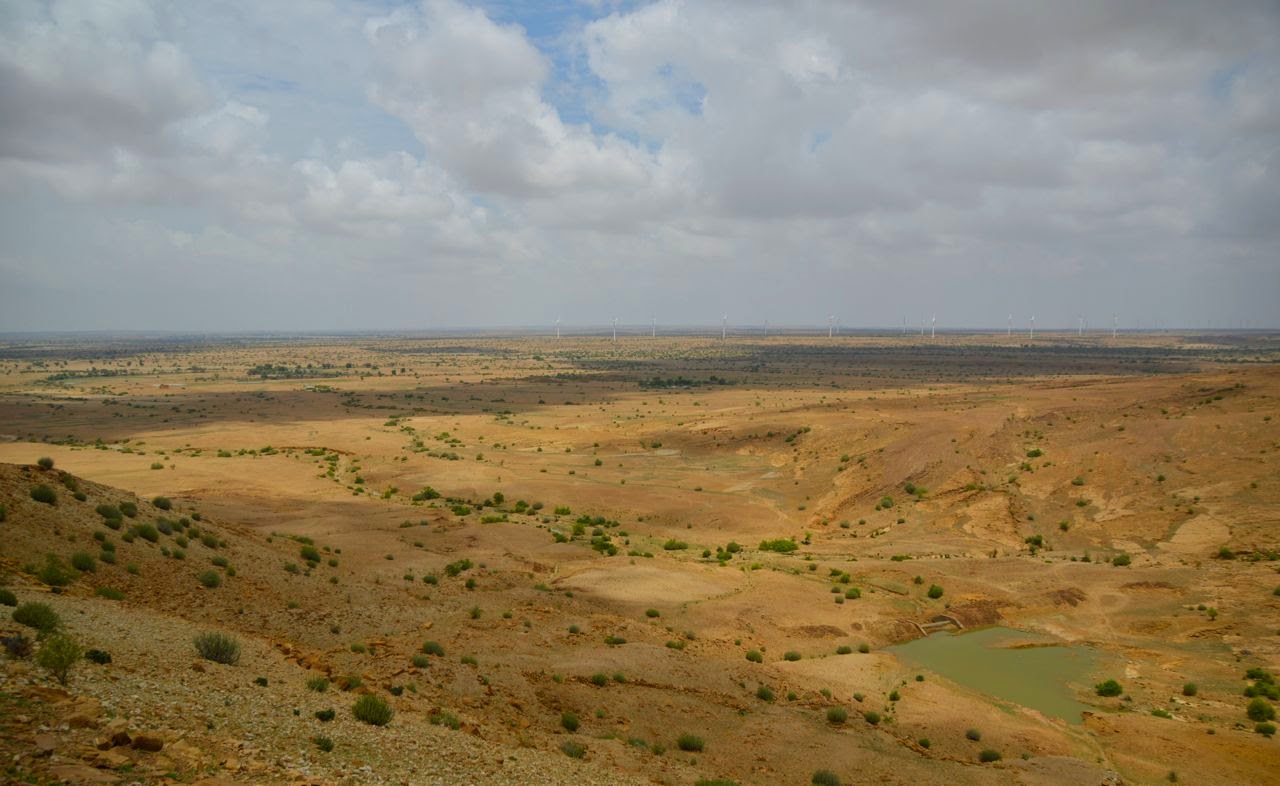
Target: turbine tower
{"x": 1081, "y": 330}
{"x": 653, "y": 328}
{"x": 1009, "y": 330}
{"x": 1115, "y": 321}
{"x": 831, "y": 322}
{"x": 557, "y": 327}
{"x": 933, "y": 327}
{"x": 615, "y": 329}
{"x": 724, "y": 326}
{"x": 1033, "y": 326}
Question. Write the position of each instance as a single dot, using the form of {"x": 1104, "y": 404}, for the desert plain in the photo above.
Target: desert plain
{"x": 664, "y": 560}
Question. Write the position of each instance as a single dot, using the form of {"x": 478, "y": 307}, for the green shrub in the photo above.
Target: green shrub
{"x": 40, "y": 616}
{"x": 108, "y": 511}
{"x": 7, "y": 598}
{"x": 764, "y": 693}
{"x": 445, "y": 719}
{"x": 569, "y": 721}
{"x": 322, "y": 743}
{"x": 872, "y": 717}
{"x": 973, "y": 735}
{"x": 433, "y": 648}
{"x": 110, "y": 593}
{"x": 755, "y": 656}
{"x": 1189, "y": 689}
{"x": 218, "y": 647}
{"x": 599, "y": 680}
{"x": 147, "y": 532}
{"x": 651, "y": 613}
{"x": 675, "y": 545}
{"x": 573, "y": 750}
{"x": 837, "y": 715}
{"x": 824, "y": 778}
{"x": 420, "y": 661}
{"x": 128, "y": 508}
{"x": 1260, "y": 710}
{"x": 844, "y": 649}
{"x": 1265, "y": 729}
{"x": 690, "y": 743}
{"x": 780, "y": 545}
{"x": 1121, "y": 560}
{"x": 44, "y": 462}
{"x": 210, "y": 579}
{"x": 100, "y": 657}
{"x": 935, "y": 591}
{"x": 83, "y": 562}
{"x": 43, "y": 493}
{"x": 791, "y": 655}
{"x": 58, "y": 655}
{"x": 1108, "y": 688}
{"x": 372, "y": 710}
{"x": 164, "y": 503}
{"x": 988, "y": 755}
{"x": 324, "y": 716}
{"x": 318, "y": 684}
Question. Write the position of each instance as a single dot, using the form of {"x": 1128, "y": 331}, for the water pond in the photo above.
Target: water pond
{"x": 1008, "y": 664}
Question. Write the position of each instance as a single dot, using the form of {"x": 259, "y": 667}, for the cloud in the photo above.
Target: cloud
{"x": 745, "y": 157}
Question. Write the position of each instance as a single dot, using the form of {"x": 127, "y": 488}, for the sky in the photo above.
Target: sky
{"x": 317, "y": 165}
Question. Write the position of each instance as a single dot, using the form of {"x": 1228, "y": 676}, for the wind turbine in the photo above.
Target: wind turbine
{"x": 1115, "y": 321}
{"x": 653, "y": 329}
{"x": 1081, "y": 330}
{"x": 1033, "y": 326}
{"x": 724, "y": 326}
{"x": 615, "y": 329}
{"x": 933, "y": 327}
{"x": 1009, "y": 330}
{"x": 557, "y": 327}
{"x": 831, "y": 322}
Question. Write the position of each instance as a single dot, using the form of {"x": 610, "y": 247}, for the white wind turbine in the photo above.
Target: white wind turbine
{"x": 1080, "y": 331}
{"x": 831, "y": 323}
{"x": 557, "y": 327}
{"x": 724, "y": 326}
{"x": 1115, "y": 322}
{"x": 1009, "y": 330}
{"x": 1033, "y": 326}
{"x": 653, "y": 328}
{"x": 615, "y": 329}
{"x": 933, "y": 327}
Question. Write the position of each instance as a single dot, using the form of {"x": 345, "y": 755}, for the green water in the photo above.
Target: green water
{"x": 1042, "y": 678}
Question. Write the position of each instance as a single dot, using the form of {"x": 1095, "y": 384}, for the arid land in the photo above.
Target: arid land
{"x": 1120, "y": 495}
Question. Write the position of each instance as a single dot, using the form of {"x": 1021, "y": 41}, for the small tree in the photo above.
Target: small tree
{"x": 1108, "y": 688}
{"x": 935, "y": 591}
{"x": 1260, "y": 710}
{"x": 58, "y": 655}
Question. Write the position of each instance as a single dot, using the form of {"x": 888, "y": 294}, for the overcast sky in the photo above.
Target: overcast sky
{"x": 317, "y": 165}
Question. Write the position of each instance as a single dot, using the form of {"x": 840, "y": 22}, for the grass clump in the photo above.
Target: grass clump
{"x": 690, "y": 743}
{"x": 42, "y": 493}
{"x": 987, "y": 755}
{"x": 569, "y": 721}
{"x": 824, "y": 778}
{"x": 218, "y": 647}
{"x": 210, "y": 579}
{"x": 7, "y": 598}
{"x": 40, "y": 616}
{"x": 573, "y": 750}
{"x": 837, "y": 715}
{"x": 433, "y": 648}
{"x": 318, "y": 684}
{"x": 372, "y": 710}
